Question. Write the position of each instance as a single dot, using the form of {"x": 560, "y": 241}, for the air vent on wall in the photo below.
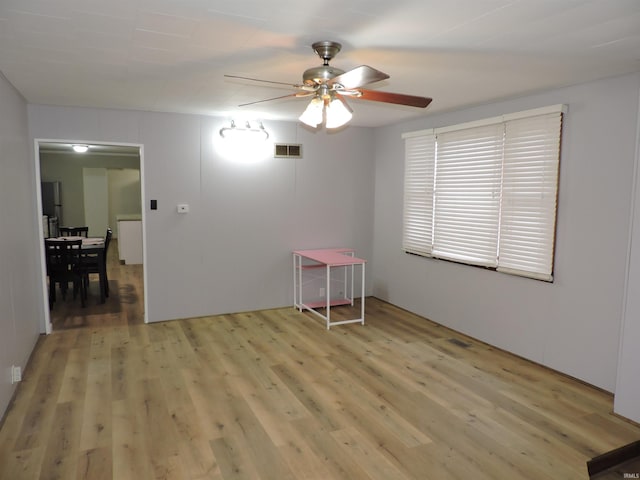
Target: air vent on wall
{"x": 291, "y": 150}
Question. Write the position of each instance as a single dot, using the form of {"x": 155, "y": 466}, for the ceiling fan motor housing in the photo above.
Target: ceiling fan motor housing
{"x": 326, "y": 50}
{"x": 319, "y": 75}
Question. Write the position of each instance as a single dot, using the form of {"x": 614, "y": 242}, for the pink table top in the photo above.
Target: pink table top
{"x": 330, "y": 256}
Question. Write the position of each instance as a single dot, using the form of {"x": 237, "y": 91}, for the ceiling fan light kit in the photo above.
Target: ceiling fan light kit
{"x": 338, "y": 113}
{"x": 328, "y": 84}
{"x": 312, "y": 115}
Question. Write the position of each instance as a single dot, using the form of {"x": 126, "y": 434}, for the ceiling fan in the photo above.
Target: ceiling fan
{"x": 328, "y": 85}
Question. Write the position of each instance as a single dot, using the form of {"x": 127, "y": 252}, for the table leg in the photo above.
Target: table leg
{"x": 102, "y": 276}
{"x": 362, "y": 297}
{"x": 328, "y": 292}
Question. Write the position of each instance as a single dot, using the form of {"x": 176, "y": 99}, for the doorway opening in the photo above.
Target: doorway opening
{"x": 100, "y": 188}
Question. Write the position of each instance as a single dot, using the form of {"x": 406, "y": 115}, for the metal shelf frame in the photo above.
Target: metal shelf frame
{"x": 328, "y": 259}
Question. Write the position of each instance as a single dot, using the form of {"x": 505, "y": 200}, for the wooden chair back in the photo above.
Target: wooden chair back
{"x": 64, "y": 262}
{"x": 74, "y": 231}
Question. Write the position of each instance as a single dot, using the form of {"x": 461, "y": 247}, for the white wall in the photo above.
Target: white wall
{"x": 95, "y": 185}
{"x": 627, "y": 400}
{"x": 573, "y": 324}
{"x": 20, "y": 306}
{"x": 232, "y": 252}
{"x": 124, "y": 194}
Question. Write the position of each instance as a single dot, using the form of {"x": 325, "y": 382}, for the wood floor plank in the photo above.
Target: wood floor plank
{"x": 158, "y": 430}
{"x": 25, "y": 464}
{"x": 320, "y": 407}
{"x": 120, "y": 372}
{"x": 303, "y": 460}
{"x": 246, "y": 443}
{"x": 60, "y": 459}
{"x": 365, "y": 454}
{"x": 130, "y": 457}
{"x": 377, "y": 415}
{"x": 175, "y": 390}
{"x": 275, "y": 395}
{"x": 233, "y": 460}
{"x": 38, "y": 417}
{"x": 336, "y": 459}
{"x": 97, "y": 415}
{"x": 95, "y": 464}
{"x": 211, "y": 396}
{"x": 544, "y": 456}
{"x": 195, "y": 448}
{"x": 74, "y": 380}
{"x": 269, "y": 413}
{"x": 202, "y": 339}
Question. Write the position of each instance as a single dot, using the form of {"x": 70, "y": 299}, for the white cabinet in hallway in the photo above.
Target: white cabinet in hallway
{"x": 130, "y": 239}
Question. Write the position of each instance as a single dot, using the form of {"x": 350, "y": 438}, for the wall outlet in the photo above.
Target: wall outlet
{"x": 182, "y": 208}
{"x": 16, "y": 374}
{"x": 322, "y": 292}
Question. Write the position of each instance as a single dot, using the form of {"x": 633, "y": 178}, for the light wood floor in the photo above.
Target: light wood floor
{"x": 273, "y": 395}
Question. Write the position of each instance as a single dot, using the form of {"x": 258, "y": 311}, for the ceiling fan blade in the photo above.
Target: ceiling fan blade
{"x": 294, "y": 85}
{"x": 358, "y": 77}
{"x": 397, "y": 98}
{"x": 300, "y": 94}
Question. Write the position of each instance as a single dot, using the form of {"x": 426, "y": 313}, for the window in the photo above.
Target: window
{"x": 484, "y": 193}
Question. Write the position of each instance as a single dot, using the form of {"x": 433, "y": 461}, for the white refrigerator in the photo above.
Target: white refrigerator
{"x": 52, "y": 206}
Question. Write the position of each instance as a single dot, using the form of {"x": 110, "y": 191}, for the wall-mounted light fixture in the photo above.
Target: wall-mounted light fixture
{"x": 80, "y": 148}
{"x": 246, "y": 132}
{"x": 243, "y": 142}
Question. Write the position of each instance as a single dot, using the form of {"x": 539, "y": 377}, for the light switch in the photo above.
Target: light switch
{"x": 183, "y": 208}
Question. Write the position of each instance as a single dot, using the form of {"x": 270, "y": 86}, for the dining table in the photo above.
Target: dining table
{"x": 93, "y": 247}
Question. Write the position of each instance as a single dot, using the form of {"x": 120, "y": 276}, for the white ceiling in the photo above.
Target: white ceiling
{"x": 171, "y": 55}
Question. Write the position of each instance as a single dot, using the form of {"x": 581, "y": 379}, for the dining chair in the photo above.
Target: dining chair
{"x": 91, "y": 265}
{"x": 74, "y": 231}
{"x": 64, "y": 265}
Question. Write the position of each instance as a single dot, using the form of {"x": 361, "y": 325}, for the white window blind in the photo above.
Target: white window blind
{"x": 529, "y": 195}
{"x": 467, "y": 195}
{"x": 418, "y": 193}
{"x": 485, "y": 193}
